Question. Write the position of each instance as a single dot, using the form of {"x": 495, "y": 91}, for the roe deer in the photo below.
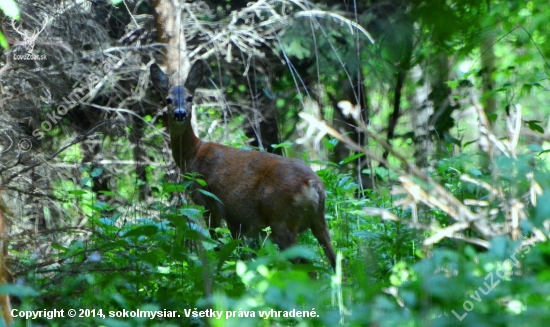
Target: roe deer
{"x": 256, "y": 189}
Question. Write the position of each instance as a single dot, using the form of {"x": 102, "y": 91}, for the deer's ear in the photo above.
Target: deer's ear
{"x": 196, "y": 75}
{"x": 159, "y": 79}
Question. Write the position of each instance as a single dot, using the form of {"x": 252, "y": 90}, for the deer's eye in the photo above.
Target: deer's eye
{"x": 168, "y": 101}
{"x": 189, "y": 99}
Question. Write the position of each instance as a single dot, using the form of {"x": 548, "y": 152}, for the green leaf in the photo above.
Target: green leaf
{"x": 97, "y": 172}
{"x": 298, "y": 252}
{"x": 281, "y": 145}
{"x": 475, "y": 172}
{"x": 18, "y": 290}
{"x": 223, "y": 231}
{"x": 86, "y": 181}
{"x": 59, "y": 247}
{"x": 452, "y": 84}
{"x": 330, "y": 144}
{"x": 451, "y": 139}
{"x": 78, "y": 192}
{"x": 351, "y": 158}
{"x": 492, "y": 117}
{"x": 226, "y": 251}
{"x": 100, "y": 206}
{"x": 209, "y": 194}
{"x": 147, "y": 230}
{"x": 192, "y": 213}
{"x": 534, "y": 126}
{"x": 107, "y": 221}
{"x": 535, "y": 148}
{"x": 3, "y": 42}
{"x": 526, "y": 88}
{"x": 173, "y": 188}
{"x": 468, "y": 143}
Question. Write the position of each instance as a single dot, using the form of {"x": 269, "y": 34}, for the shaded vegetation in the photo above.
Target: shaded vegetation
{"x": 425, "y": 120}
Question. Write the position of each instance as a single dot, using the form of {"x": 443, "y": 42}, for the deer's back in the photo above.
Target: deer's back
{"x": 258, "y": 189}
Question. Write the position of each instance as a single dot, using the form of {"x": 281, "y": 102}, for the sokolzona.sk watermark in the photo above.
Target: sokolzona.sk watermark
{"x": 71, "y": 101}
{"x": 491, "y": 283}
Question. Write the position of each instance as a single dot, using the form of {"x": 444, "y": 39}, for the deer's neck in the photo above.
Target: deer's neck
{"x": 185, "y": 145}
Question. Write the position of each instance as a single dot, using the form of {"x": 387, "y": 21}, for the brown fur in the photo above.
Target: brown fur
{"x": 256, "y": 189}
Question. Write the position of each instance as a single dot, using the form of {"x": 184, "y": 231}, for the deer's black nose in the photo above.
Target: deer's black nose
{"x": 180, "y": 115}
